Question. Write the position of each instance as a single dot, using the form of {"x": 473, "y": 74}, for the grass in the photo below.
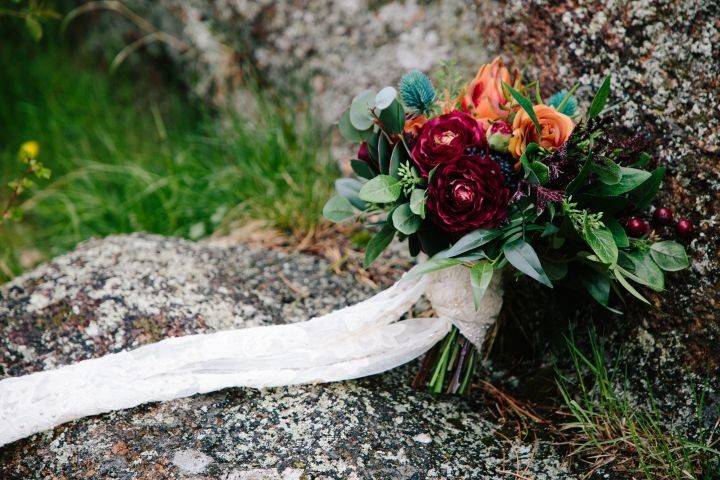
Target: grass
{"x": 609, "y": 431}
{"x": 130, "y": 152}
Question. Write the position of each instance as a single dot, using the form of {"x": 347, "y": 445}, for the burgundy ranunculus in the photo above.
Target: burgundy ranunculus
{"x": 467, "y": 194}
{"x": 445, "y": 138}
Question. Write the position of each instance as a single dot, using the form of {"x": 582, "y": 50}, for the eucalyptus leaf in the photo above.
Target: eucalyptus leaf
{"x": 393, "y": 118}
{"x": 378, "y": 243}
{"x": 598, "y": 103}
{"x": 602, "y": 242}
{"x": 417, "y": 202}
{"x": 404, "y": 220}
{"x": 480, "y": 276}
{"x": 385, "y": 97}
{"x": 381, "y": 189}
{"x": 360, "y": 116}
{"x": 522, "y": 256}
{"x": 432, "y": 265}
{"x": 349, "y": 133}
{"x": 350, "y": 189}
{"x": 471, "y": 241}
{"x": 338, "y": 208}
{"x": 669, "y": 255}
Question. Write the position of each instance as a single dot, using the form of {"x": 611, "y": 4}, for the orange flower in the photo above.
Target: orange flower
{"x": 556, "y": 129}
{"x": 415, "y": 124}
{"x": 484, "y": 98}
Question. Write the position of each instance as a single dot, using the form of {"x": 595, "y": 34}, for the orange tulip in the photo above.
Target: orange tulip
{"x": 484, "y": 98}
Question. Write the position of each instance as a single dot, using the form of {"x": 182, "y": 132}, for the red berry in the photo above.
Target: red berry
{"x": 637, "y": 227}
{"x": 684, "y": 227}
{"x": 663, "y": 216}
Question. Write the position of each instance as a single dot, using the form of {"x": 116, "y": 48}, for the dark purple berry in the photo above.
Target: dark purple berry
{"x": 684, "y": 228}
{"x": 637, "y": 227}
{"x": 663, "y": 216}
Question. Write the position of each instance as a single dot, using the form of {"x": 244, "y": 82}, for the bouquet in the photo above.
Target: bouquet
{"x": 490, "y": 177}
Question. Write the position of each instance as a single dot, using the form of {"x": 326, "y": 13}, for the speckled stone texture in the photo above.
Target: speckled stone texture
{"x": 664, "y": 58}
{"x": 122, "y": 292}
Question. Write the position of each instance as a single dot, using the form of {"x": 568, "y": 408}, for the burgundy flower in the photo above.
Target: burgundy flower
{"x": 467, "y": 194}
{"x": 445, "y": 138}
{"x": 363, "y": 154}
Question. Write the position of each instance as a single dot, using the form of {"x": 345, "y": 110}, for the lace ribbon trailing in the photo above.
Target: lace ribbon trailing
{"x": 356, "y": 341}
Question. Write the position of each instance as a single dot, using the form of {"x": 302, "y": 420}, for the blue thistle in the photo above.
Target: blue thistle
{"x": 417, "y": 92}
{"x": 570, "y": 107}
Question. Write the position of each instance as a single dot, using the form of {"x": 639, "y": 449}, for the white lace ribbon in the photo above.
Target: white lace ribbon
{"x": 356, "y": 341}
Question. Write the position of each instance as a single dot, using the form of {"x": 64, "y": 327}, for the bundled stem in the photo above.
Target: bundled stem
{"x": 449, "y": 366}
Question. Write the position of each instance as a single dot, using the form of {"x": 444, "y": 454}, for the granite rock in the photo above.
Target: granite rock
{"x": 122, "y": 292}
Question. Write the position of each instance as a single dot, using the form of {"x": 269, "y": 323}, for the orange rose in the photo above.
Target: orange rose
{"x": 556, "y": 129}
{"x": 415, "y": 124}
{"x": 484, "y": 98}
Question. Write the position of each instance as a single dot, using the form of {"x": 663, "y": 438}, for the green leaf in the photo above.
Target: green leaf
{"x": 417, "y": 202}
{"x": 597, "y": 285}
{"x": 609, "y": 173}
{"x": 385, "y": 97}
{"x": 526, "y": 105}
{"x": 600, "y": 99}
{"x": 645, "y": 271}
{"x": 631, "y": 179}
{"x": 384, "y": 152}
{"x": 393, "y": 118}
{"x": 541, "y": 171}
{"x": 645, "y": 193}
{"x": 349, "y": 133}
{"x": 404, "y": 220}
{"x": 470, "y": 241}
{"x": 480, "y": 276}
{"x": 554, "y": 270}
{"x": 602, "y": 242}
{"x": 378, "y": 243}
{"x": 350, "y": 189}
{"x": 643, "y": 159}
{"x": 620, "y": 278}
{"x": 580, "y": 179}
{"x": 669, "y": 255}
{"x": 373, "y": 142}
{"x": 432, "y": 265}
{"x": 618, "y": 232}
{"x": 362, "y": 169}
{"x": 338, "y": 208}
{"x": 398, "y": 155}
{"x": 360, "y": 116}
{"x": 522, "y": 256}
{"x": 34, "y": 28}
{"x": 381, "y": 189}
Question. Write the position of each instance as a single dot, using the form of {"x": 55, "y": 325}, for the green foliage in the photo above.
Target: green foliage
{"x": 598, "y": 103}
{"x": 525, "y": 104}
{"x": 608, "y": 428}
{"x": 128, "y": 155}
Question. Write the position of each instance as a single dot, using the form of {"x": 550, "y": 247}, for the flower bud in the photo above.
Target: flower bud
{"x": 498, "y": 135}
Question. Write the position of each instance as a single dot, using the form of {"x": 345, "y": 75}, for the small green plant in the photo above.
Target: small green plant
{"x": 28, "y": 156}
{"x": 33, "y": 13}
{"x": 609, "y": 431}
